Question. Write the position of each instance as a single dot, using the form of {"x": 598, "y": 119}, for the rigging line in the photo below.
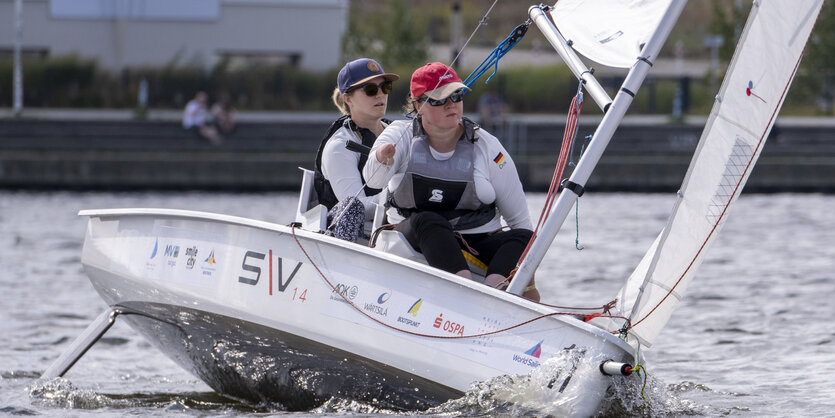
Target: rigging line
{"x": 498, "y": 53}
{"x": 735, "y": 193}
{"x": 441, "y": 337}
{"x": 482, "y": 22}
{"x": 606, "y": 307}
{"x": 577, "y": 205}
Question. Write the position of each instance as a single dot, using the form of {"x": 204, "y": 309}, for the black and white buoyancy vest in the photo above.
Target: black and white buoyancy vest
{"x": 443, "y": 186}
{"x": 323, "y": 188}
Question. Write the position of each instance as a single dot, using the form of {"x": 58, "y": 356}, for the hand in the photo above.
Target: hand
{"x": 385, "y": 154}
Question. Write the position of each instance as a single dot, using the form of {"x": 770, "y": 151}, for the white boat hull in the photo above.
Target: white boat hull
{"x": 264, "y": 312}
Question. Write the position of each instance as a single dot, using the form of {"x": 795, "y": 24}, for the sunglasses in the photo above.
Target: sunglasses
{"x": 372, "y": 89}
{"x": 456, "y": 97}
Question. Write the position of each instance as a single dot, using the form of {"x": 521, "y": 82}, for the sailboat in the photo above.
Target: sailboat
{"x": 265, "y": 312}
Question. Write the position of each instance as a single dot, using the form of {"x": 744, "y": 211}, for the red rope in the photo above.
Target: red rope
{"x": 551, "y": 197}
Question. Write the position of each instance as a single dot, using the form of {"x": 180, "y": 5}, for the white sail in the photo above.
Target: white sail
{"x": 610, "y": 32}
{"x": 752, "y": 93}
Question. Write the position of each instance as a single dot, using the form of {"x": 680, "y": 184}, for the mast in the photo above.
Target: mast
{"x": 600, "y": 140}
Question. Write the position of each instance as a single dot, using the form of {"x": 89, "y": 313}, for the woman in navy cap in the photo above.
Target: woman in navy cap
{"x": 361, "y": 96}
{"x": 451, "y": 182}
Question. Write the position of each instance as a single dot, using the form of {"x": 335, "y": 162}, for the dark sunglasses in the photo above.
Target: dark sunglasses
{"x": 372, "y": 89}
{"x": 455, "y": 97}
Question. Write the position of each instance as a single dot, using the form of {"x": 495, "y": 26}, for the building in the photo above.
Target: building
{"x": 139, "y": 33}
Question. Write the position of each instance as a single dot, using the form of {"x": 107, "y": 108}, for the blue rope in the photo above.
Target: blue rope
{"x": 493, "y": 58}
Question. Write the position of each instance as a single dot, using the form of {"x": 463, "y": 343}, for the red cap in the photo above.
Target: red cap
{"x": 436, "y": 80}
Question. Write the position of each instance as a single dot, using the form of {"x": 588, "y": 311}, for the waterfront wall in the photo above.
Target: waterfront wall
{"x": 647, "y": 154}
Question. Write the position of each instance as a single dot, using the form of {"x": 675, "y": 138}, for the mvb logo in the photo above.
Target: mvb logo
{"x": 172, "y": 251}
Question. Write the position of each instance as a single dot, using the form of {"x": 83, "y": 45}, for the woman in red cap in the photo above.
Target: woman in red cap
{"x": 451, "y": 182}
{"x": 361, "y": 96}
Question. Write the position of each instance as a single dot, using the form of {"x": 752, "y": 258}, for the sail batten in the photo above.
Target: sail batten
{"x": 751, "y": 95}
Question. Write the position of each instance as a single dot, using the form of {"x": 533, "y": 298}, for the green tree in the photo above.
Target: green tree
{"x": 392, "y": 36}
{"x": 817, "y": 70}
{"x": 728, "y": 21}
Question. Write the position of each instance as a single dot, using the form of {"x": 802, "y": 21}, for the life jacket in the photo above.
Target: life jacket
{"x": 446, "y": 187}
{"x": 323, "y": 188}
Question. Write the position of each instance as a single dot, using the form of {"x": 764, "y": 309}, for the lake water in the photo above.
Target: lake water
{"x": 754, "y": 336}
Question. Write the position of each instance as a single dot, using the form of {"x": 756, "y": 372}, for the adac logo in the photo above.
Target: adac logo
{"x": 346, "y": 292}
{"x": 156, "y": 247}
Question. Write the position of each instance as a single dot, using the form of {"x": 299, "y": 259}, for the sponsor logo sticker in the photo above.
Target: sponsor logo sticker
{"x": 530, "y": 355}
{"x": 413, "y": 312}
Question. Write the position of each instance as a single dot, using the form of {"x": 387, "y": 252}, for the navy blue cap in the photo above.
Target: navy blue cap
{"x": 359, "y": 71}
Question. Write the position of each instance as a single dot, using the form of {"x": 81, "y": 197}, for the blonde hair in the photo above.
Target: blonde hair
{"x": 411, "y": 105}
{"x": 340, "y": 103}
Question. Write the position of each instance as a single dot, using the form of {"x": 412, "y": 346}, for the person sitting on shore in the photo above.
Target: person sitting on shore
{"x": 198, "y": 119}
{"x": 361, "y": 96}
{"x": 224, "y": 114}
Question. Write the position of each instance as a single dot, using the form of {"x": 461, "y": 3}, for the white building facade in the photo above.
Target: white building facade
{"x": 143, "y": 33}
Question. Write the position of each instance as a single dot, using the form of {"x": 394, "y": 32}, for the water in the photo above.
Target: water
{"x": 753, "y": 337}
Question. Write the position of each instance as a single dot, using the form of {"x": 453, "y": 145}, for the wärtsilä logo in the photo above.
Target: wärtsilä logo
{"x": 383, "y": 298}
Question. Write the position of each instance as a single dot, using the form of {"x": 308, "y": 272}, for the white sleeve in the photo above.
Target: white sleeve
{"x": 510, "y": 196}
{"x": 398, "y": 133}
{"x": 339, "y": 166}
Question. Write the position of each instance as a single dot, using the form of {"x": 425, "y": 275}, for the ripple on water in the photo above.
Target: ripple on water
{"x": 61, "y": 393}
{"x": 20, "y": 374}
{"x": 17, "y": 411}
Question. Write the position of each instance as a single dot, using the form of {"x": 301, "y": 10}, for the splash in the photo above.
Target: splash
{"x": 562, "y": 386}
{"x": 61, "y": 393}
